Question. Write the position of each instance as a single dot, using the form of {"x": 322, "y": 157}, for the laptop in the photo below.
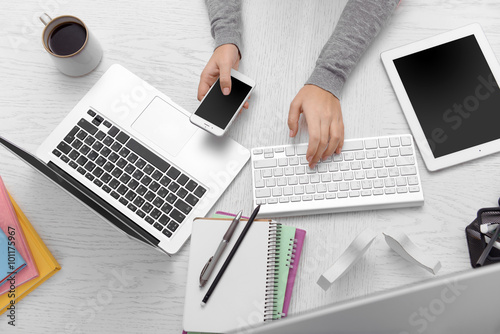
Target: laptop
{"x": 130, "y": 153}
{"x": 460, "y": 303}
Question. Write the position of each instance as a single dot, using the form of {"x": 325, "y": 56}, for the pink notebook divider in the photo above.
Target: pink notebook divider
{"x": 8, "y": 218}
{"x": 292, "y": 274}
{"x": 229, "y": 214}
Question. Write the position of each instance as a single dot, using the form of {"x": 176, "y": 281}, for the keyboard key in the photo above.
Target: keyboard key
{"x": 122, "y": 137}
{"x": 158, "y": 202}
{"x": 138, "y": 175}
{"x": 173, "y": 173}
{"x": 115, "y": 195}
{"x": 165, "y": 181}
{"x": 173, "y": 187}
{"x": 167, "y": 208}
{"x": 150, "y": 220}
{"x": 100, "y": 135}
{"x": 146, "y": 154}
{"x": 177, "y": 216}
{"x": 172, "y": 226}
{"x": 123, "y": 201}
{"x": 141, "y": 190}
{"x": 132, "y": 207}
{"x": 108, "y": 141}
{"x": 146, "y": 180}
{"x": 148, "y": 169}
{"x": 139, "y": 201}
{"x": 352, "y": 145}
{"x": 113, "y": 131}
{"x": 124, "y": 152}
{"x": 405, "y": 141}
{"x": 132, "y": 158}
{"x": 65, "y": 159}
{"x": 154, "y": 186}
{"x": 84, "y": 124}
{"x": 182, "y": 179}
{"x": 158, "y": 226}
{"x": 167, "y": 233}
{"x": 156, "y": 175}
{"x": 133, "y": 184}
{"x": 183, "y": 206}
{"x": 107, "y": 124}
{"x": 155, "y": 213}
{"x": 147, "y": 207}
{"x": 91, "y": 113}
{"x": 114, "y": 183}
{"x": 89, "y": 140}
{"x": 64, "y": 147}
{"x": 265, "y": 163}
{"x": 106, "y": 177}
{"x": 116, "y": 146}
{"x": 150, "y": 196}
{"x": 122, "y": 189}
{"x": 200, "y": 191}
{"x": 56, "y": 153}
{"x": 163, "y": 192}
{"x": 164, "y": 220}
{"x": 140, "y": 213}
{"x": 130, "y": 195}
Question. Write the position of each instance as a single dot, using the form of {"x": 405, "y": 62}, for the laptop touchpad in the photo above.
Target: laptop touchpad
{"x": 166, "y": 126}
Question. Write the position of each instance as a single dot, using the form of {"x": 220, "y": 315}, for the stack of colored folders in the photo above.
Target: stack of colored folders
{"x": 39, "y": 262}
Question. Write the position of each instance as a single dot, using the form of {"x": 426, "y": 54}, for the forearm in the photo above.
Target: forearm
{"x": 358, "y": 25}
{"x": 225, "y": 18}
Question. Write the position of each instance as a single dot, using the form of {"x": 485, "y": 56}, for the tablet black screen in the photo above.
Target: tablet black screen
{"x": 454, "y": 94}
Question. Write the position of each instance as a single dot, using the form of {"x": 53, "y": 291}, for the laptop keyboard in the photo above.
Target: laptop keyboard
{"x": 144, "y": 183}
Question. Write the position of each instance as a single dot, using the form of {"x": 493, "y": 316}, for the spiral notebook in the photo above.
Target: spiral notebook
{"x": 254, "y": 286}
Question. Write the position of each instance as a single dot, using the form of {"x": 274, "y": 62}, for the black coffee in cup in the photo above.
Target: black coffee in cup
{"x": 67, "y": 38}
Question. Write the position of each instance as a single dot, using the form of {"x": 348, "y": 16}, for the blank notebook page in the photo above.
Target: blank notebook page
{"x": 238, "y": 299}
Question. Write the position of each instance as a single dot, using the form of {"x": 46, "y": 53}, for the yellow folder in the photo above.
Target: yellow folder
{"x": 45, "y": 262}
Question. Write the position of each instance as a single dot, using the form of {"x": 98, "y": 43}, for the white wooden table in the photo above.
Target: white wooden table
{"x": 168, "y": 43}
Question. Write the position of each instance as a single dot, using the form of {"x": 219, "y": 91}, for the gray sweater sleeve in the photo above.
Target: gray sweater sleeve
{"x": 225, "y": 18}
{"x": 358, "y": 25}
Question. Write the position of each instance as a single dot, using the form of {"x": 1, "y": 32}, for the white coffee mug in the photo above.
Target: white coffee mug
{"x": 82, "y": 61}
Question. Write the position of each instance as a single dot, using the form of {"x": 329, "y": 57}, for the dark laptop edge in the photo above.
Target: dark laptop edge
{"x": 68, "y": 183}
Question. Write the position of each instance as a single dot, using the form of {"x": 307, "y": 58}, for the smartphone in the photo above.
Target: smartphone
{"x": 217, "y": 111}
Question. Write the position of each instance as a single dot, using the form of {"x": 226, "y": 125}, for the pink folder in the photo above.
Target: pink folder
{"x": 8, "y": 219}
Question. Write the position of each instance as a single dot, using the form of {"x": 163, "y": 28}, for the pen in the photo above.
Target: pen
{"x": 488, "y": 248}
{"x": 209, "y": 267}
{"x": 231, "y": 254}
{"x": 488, "y": 227}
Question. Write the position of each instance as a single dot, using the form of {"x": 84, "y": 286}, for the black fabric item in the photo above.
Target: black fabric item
{"x": 476, "y": 240}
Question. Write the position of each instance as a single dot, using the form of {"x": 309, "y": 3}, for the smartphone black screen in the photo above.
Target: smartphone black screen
{"x": 217, "y": 108}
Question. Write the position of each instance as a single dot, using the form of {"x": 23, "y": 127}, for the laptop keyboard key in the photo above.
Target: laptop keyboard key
{"x": 130, "y": 195}
{"x": 192, "y": 200}
{"x": 177, "y": 216}
{"x": 113, "y": 157}
{"x": 81, "y": 135}
{"x": 155, "y": 213}
{"x": 172, "y": 226}
{"x": 114, "y": 183}
{"x": 165, "y": 181}
{"x": 166, "y": 208}
{"x": 163, "y": 220}
{"x": 65, "y": 159}
{"x": 113, "y": 131}
{"x": 138, "y": 175}
{"x": 105, "y": 151}
{"x": 93, "y": 155}
{"x": 115, "y": 195}
{"x": 132, "y": 158}
{"x": 100, "y": 135}
{"x": 200, "y": 191}
{"x": 84, "y": 124}
{"x": 140, "y": 163}
{"x": 132, "y": 207}
{"x": 173, "y": 173}
{"x": 89, "y": 140}
{"x": 173, "y": 187}
{"x": 139, "y": 201}
{"x": 89, "y": 166}
{"x": 182, "y": 192}
{"x": 140, "y": 213}
{"x": 74, "y": 155}
{"x": 150, "y": 196}
{"x": 81, "y": 170}
{"x": 162, "y": 192}
{"x": 64, "y": 147}
{"x": 122, "y": 137}
{"x": 97, "y": 146}
{"x": 146, "y": 180}
{"x": 121, "y": 163}
{"x": 191, "y": 185}
{"x": 125, "y": 178}
{"x": 77, "y": 144}
{"x": 124, "y": 152}
{"x": 171, "y": 198}
{"x": 106, "y": 177}
{"x": 84, "y": 149}
{"x": 133, "y": 184}
{"x": 122, "y": 189}
{"x": 82, "y": 160}
{"x": 158, "y": 226}
{"x": 116, "y": 146}
{"x": 56, "y": 153}
{"x": 150, "y": 220}
{"x": 91, "y": 112}
{"x": 142, "y": 190}
{"x": 148, "y": 169}
{"x": 156, "y": 175}
{"x": 108, "y": 167}
{"x": 154, "y": 186}
{"x": 100, "y": 161}
{"x": 123, "y": 201}
{"x": 158, "y": 202}
{"x": 182, "y": 179}
{"x": 108, "y": 141}
{"x": 106, "y": 188}
{"x": 183, "y": 206}
{"x": 97, "y": 172}
{"x": 147, "y": 207}
{"x": 167, "y": 233}
{"x": 71, "y": 135}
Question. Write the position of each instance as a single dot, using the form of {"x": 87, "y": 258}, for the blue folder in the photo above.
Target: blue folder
{"x": 11, "y": 262}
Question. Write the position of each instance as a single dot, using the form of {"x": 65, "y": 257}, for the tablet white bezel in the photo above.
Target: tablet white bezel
{"x": 387, "y": 57}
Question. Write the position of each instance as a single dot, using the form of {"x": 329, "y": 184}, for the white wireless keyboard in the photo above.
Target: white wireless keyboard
{"x": 370, "y": 173}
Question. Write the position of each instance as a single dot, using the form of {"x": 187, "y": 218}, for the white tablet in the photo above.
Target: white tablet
{"x": 447, "y": 88}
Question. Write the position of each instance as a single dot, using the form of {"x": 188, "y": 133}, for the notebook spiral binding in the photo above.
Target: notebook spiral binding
{"x": 274, "y": 252}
